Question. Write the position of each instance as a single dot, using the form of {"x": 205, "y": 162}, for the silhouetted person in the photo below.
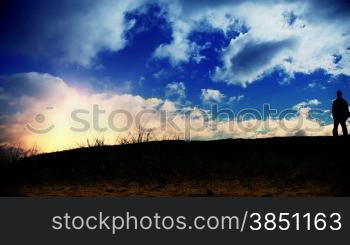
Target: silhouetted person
{"x": 340, "y": 112}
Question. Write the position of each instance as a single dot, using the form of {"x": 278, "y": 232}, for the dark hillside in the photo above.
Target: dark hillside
{"x": 281, "y": 162}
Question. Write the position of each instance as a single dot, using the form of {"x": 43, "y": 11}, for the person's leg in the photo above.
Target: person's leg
{"x": 344, "y": 128}
{"x": 335, "y": 127}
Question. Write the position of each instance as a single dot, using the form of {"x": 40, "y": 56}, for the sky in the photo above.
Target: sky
{"x": 60, "y": 57}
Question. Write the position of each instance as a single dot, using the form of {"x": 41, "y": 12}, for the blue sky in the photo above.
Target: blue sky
{"x": 240, "y": 54}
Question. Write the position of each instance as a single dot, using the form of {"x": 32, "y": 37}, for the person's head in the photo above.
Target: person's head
{"x": 339, "y": 94}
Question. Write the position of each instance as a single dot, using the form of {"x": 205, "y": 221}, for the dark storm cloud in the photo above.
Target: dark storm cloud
{"x": 248, "y": 58}
{"x": 27, "y": 25}
{"x": 254, "y": 55}
{"x": 332, "y": 9}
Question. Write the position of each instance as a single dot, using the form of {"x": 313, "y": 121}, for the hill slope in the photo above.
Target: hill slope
{"x": 280, "y": 163}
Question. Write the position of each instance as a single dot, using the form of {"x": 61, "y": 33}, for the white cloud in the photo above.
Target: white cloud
{"x": 176, "y": 89}
{"x": 179, "y": 50}
{"x": 314, "y": 102}
{"x": 236, "y": 98}
{"x": 306, "y": 104}
{"x": 168, "y": 106}
{"x": 312, "y": 85}
{"x": 105, "y": 26}
{"x": 315, "y": 84}
{"x": 211, "y": 96}
{"x": 160, "y": 74}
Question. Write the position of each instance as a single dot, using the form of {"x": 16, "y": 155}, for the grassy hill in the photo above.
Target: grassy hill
{"x": 295, "y": 166}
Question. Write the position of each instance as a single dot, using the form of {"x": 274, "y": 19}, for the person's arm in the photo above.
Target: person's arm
{"x": 347, "y": 108}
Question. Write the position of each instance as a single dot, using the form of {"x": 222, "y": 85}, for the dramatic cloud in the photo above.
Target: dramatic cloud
{"x": 69, "y": 31}
{"x": 76, "y": 32}
{"x": 244, "y": 41}
{"x": 290, "y": 35}
{"x": 247, "y": 59}
{"x": 48, "y": 100}
{"x": 105, "y": 115}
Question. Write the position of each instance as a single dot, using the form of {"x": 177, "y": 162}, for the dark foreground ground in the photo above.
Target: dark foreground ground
{"x": 297, "y": 166}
